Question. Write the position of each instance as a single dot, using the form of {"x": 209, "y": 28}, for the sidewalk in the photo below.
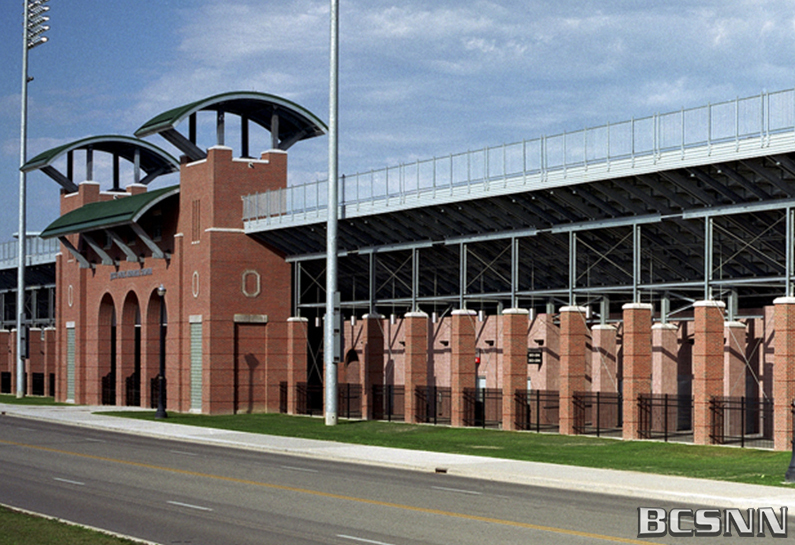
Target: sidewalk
{"x": 684, "y": 491}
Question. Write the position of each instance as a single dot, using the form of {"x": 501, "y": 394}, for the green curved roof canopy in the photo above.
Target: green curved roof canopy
{"x": 148, "y": 157}
{"x": 287, "y": 122}
{"x": 104, "y": 215}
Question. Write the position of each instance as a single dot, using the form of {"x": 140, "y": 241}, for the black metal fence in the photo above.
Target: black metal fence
{"x": 132, "y": 390}
{"x": 483, "y": 407}
{"x": 747, "y": 421}
{"x": 537, "y": 410}
{"x": 665, "y": 416}
{"x": 109, "y": 389}
{"x": 598, "y": 413}
{"x": 349, "y": 400}
{"x": 433, "y": 404}
{"x": 309, "y": 398}
{"x": 388, "y": 402}
{"x": 283, "y": 397}
{"x": 37, "y": 384}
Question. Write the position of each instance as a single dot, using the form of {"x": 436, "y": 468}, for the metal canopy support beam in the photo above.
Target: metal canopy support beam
{"x": 297, "y": 288}
{"x": 89, "y": 163}
{"x": 116, "y": 186}
{"x": 462, "y": 275}
{"x": 514, "y": 272}
{"x": 220, "y": 128}
{"x": 81, "y": 260}
{"x": 572, "y": 267}
{"x": 415, "y": 278}
{"x": 789, "y": 239}
{"x": 157, "y": 253}
{"x": 708, "y": 233}
{"x": 665, "y": 307}
{"x": 192, "y": 127}
{"x": 63, "y": 181}
{"x": 152, "y": 175}
{"x": 191, "y": 150}
{"x": 117, "y": 240}
{"x": 636, "y": 268}
{"x": 103, "y": 255}
{"x": 371, "y": 283}
{"x": 244, "y": 136}
{"x": 137, "y": 166}
{"x": 275, "y": 130}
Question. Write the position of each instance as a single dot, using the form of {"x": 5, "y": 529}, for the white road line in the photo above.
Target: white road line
{"x": 300, "y": 469}
{"x": 78, "y": 483}
{"x": 25, "y": 429}
{"x": 90, "y": 440}
{"x": 457, "y": 490}
{"x": 183, "y": 452}
{"x": 362, "y": 540}
{"x": 189, "y": 506}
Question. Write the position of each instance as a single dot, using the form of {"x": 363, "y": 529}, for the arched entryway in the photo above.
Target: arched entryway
{"x": 130, "y": 352}
{"x": 106, "y": 350}
{"x": 151, "y": 331}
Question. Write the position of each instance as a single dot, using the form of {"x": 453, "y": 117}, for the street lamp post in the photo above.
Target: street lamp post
{"x": 161, "y": 377}
{"x": 33, "y": 28}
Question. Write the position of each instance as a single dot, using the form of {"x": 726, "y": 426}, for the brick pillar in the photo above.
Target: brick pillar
{"x": 573, "y": 341}
{"x": 514, "y": 362}
{"x": 372, "y": 369}
{"x": 416, "y": 363}
{"x": 296, "y": 360}
{"x": 734, "y": 360}
{"x": 783, "y": 372}
{"x": 707, "y": 365}
{"x": 462, "y": 364}
{"x": 664, "y": 359}
{"x": 637, "y": 363}
{"x": 604, "y": 368}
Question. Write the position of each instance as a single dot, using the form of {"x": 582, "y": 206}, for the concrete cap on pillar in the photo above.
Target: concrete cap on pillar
{"x": 660, "y": 325}
{"x": 581, "y": 310}
{"x": 714, "y": 304}
{"x": 734, "y": 324}
{"x": 374, "y": 316}
{"x": 516, "y": 311}
{"x": 297, "y": 319}
{"x": 464, "y": 312}
{"x": 638, "y": 306}
{"x": 784, "y": 301}
{"x": 416, "y": 314}
{"x": 606, "y": 327}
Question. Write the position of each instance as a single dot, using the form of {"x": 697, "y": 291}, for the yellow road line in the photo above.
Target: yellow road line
{"x": 272, "y": 486}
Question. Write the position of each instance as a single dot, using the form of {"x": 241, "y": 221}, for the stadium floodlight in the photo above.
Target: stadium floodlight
{"x": 33, "y": 28}
{"x": 35, "y": 22}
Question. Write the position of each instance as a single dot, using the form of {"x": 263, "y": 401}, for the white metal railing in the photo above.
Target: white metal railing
{"x": 735, "y": 121}
{"x": 38, "y": 250}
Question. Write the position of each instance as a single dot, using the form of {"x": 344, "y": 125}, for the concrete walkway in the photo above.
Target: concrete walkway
{"x": 682, "y": 491}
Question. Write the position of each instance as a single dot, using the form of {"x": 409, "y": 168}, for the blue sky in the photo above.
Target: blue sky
{"x": 417, "y": 78}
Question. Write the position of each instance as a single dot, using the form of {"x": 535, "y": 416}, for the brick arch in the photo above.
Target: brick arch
{"x": 105, "y": 346}
{"x": 150, "y": 346}
{"x": 128, "y": 379}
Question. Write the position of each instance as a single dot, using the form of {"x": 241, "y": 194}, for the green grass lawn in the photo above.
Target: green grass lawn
{"x": 28, "y": 400}
{"x": 708, "y": 462}
{"x": 22, "y": 529}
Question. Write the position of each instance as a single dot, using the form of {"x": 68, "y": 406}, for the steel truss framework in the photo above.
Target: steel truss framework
{"x": 714, "y": 224}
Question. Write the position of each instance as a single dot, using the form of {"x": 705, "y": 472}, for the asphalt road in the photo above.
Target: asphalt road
{"x": 171, "y": 492}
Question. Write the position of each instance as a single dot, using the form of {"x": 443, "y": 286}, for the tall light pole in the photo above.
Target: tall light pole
{"x": 332, "y": 326}
{"x": 33, "y": 29}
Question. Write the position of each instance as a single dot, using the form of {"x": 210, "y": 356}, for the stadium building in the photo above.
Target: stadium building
{"x": 633, "y": 279}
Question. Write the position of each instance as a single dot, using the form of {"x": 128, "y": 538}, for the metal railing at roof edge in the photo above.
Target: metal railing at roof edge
{"x": 37, "y": 248}
{"x": 739, "y": 120}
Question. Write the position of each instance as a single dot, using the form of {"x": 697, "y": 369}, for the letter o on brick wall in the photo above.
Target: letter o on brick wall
{"x": 70, "y": 295}
{"x": 251, "y": 284}
{"x": 195, "y": 284}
